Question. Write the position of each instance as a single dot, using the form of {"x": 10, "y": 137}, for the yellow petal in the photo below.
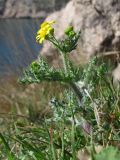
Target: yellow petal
{"x": 44, "y": 24}
{"x": 51, "y": 22}
{"x": 41, "y": 40}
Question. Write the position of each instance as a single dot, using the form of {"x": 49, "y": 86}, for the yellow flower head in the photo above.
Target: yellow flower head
{"x": 45, "y": 29}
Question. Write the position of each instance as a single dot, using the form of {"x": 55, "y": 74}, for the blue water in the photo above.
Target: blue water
{"x": 18, "y": 46}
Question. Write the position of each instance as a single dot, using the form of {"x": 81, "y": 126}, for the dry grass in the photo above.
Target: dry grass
{"x": 16, "y": 99}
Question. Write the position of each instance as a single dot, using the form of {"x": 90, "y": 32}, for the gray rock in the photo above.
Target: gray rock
{"x": 29, "y": 8}
{"x": 99, "y": 22}
{"x": 2, "y": 6}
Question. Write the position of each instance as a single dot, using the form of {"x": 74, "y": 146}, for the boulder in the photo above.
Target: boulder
{"x": 99, "y": 22}
{"x": 29, "y": 8}
{"x": 2, "y": 6}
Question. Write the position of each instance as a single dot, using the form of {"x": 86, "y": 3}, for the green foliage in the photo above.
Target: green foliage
{"x": 8, "y": 150}
{"x": 40, "y": 71}
{"x": 86, "y": 115}
{"x": 109, "y": 153}
{"x": 70, "y": 43}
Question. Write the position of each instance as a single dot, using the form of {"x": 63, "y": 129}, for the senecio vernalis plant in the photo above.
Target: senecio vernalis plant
{"x": 40, "y": 70}
{"x": 88, "y": 114}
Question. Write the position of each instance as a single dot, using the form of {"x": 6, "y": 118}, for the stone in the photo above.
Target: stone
{"x": 29, "y": 8}
{"x": 59, "y": 5}
{"x": 99, "y": 22}
{"x": 116, "y": 75}
{"x": 2, "y": 6}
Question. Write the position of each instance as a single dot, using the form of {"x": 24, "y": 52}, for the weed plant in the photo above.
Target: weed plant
{"x": 84, "y": 118}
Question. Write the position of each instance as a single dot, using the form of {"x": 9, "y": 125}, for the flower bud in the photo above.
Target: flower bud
{"x": 69, "y": 30}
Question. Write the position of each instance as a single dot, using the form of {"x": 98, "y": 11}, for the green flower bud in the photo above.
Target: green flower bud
{"x": 68, "y": 30}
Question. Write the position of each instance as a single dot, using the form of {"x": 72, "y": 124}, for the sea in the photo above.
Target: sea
{"x": 18, "y": 47}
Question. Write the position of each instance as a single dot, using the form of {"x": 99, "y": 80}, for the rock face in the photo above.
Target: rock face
{"x": 29, "y": 8}
{"x": 2, "y": 6}
{"x": 99, "y": 22}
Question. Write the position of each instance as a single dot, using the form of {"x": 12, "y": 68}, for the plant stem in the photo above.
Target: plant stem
{"x": 63, "y": 148}
{"x": 66, "y": 69}
{"x": 64, "y": 60}
{"x": 72, "y": 84}
{"x": 50, "y": 135}
{"x": 76, "y": 91}
{"x": 73, "y": 137}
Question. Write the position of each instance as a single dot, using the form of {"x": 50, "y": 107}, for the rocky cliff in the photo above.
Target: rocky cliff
{"x": 29, "y": 8}
{"x": 99, "y": 22}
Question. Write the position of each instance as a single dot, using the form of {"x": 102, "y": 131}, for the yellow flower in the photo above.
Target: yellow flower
{"x": 45, "y": 29}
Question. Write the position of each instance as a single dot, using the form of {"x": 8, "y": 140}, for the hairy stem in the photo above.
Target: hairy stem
{"x": 76, "y": 91}
{"x": 66, "y": 69}
{"x": 72, "y": 84}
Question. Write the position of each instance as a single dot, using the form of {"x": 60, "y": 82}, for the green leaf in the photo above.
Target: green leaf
{"x": 38, "y": 154}
{"x": 8, "y": 150}
{"x": 40, "y": 71}
{"x": 110, "y": 153}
